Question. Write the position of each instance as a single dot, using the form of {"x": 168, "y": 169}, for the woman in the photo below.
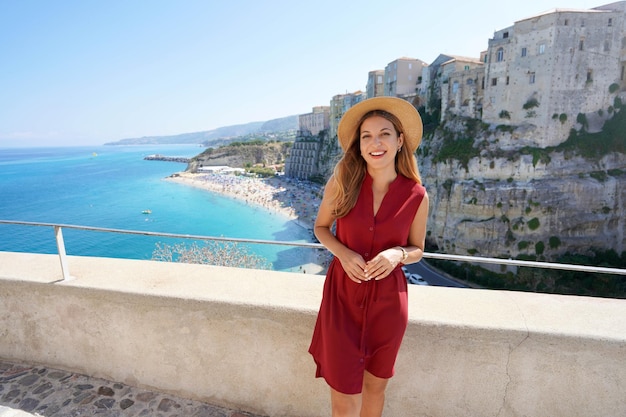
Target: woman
{"x": 380, "y": 208}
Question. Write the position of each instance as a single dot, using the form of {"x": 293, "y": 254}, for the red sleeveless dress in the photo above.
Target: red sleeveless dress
{"x": 360, "y": 326}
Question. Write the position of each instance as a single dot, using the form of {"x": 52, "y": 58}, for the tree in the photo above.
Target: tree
{"x": 211, "y": 253}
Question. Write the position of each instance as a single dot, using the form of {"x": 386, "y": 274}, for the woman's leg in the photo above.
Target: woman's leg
{"x": 373, "y": 395}
{"x": 345, "y": 405}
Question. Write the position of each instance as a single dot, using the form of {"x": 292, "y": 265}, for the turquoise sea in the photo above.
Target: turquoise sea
{"x": 110, "y": 186}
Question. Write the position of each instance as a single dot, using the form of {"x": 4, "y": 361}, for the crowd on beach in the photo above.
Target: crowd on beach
{"x": 295, "y": 198}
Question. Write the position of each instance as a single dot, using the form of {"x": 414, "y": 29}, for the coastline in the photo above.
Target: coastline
{"x": 294, "y": 199}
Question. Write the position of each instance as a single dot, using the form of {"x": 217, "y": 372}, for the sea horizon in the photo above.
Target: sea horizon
{"x": 112, "y": 186}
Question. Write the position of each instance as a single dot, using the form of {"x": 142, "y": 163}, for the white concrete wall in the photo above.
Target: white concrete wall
{"x": 240, "y": 337}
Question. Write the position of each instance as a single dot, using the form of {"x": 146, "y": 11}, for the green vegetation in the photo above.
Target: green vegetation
{"x": 553, "y": 281}
{"x": 587, "y": 145}
{"x": 505, "y": 128}
{"x": 599, "y": 176}
{"x": 262, "y": 171}
{"x": 533, "y": 224}
{"x": 539, "y": 154}
{"x": 505, "y": 115}
{"x": 554, "y": 242}
{"x": 531, "y": 103}
{"x": 461, "y": 149}
{"x": 612, "y": 138}
{"x": 447, "y": 185}
{"x": 460, "y": 146}
{"x": 613, "y": 88}
{"x": 539, "y": 248}
{"x": 211, "y": 253}
{"x": 582, "y": 120}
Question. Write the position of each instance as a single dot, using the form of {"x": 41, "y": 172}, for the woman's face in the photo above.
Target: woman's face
{"x": 379, "y": 142}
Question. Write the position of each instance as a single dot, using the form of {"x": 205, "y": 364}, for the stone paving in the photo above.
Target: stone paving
{"x": 41, "y": 391}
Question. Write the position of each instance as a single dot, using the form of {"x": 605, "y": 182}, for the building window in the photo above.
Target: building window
{"x": 582, "y": 23}
{"x": 566, "y": 22}
{"x": 507, "y": 80}
{"x": 455, "y": 87}
{"x": 606, "y": 46}
{"x": 471, "y": 81}
{"x": 581, "y": 45}
{"x": 500, "y": 55}
{"x": 505, "y": 35}
{"x": 531, "y": 78}
{"x": 410, "y": 65}
{"x": 466, "y": 68}
{"x": 610, "y": 21}
{"x": 622, "y": 76}
{"x": 524, "y": 51}
{"x": 494, "y": 81}
{"x": 589, "y": 77}
{"x": 542, "y": 49}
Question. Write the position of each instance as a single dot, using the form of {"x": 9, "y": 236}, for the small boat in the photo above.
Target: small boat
{"x": 146, "y": 211}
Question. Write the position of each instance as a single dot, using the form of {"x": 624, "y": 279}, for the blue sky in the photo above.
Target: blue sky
{"x": 88, "y": 72}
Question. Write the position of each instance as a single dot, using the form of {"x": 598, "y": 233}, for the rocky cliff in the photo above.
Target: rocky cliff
{"x": 492, "y": 196}
{"x": 240, "y": 155}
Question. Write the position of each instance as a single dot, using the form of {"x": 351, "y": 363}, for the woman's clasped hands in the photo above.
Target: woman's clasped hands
{"x": 377, "y": 268}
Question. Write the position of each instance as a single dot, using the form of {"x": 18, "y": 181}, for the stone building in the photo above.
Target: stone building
{"x": 462, "y": 87}
{"x": 402, "y": 77}
{"x": 311, "y": 124}
{"x": 547, "y": 70}
{"x": 303, "y": 161}
{"x": 375, "y": 83}
{"x": 339, "y": 104}
{"x": 430, "y": 88}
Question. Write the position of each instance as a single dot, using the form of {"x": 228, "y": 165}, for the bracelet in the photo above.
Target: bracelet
{"x": 404, "y": 254}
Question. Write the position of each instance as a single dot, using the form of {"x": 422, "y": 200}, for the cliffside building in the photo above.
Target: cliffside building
{"x": 402, "y": 77}
{"x": 304, "y": 156}
{"x": 375, "y": 83}
{"x": 547, "y": 69}
{"x": 462, "y": 87}
{"x": 430, "y": 88}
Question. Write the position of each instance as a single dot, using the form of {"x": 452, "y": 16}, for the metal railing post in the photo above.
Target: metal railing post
{"x": 58, "y": 234}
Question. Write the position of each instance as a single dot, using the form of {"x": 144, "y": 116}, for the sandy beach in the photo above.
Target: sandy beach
{"x": 296, "y": 199}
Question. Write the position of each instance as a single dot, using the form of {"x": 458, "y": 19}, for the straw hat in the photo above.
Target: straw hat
{"x": 402, "y": 109}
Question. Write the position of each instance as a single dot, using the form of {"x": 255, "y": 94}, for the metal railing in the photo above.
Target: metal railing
{"x": 58, "y": 232}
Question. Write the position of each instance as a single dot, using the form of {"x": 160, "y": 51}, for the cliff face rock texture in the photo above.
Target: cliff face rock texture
{"x": 495, "y": 199}
{"x": 240, "y": 156}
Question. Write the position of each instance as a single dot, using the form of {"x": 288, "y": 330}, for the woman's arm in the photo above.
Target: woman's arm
{"x": 417, "y": 234}
{"x": 352, "y": 263}
{"x": 386, "y": 261}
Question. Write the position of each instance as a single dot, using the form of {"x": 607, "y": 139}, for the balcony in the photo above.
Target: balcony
{"x": 232, "y": 336}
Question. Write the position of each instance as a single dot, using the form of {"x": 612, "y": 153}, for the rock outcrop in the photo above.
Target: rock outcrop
{"x": 502, "y": 201}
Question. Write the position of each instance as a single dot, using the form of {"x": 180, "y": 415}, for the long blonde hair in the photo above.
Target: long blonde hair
{"x": 350, "y": 170}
